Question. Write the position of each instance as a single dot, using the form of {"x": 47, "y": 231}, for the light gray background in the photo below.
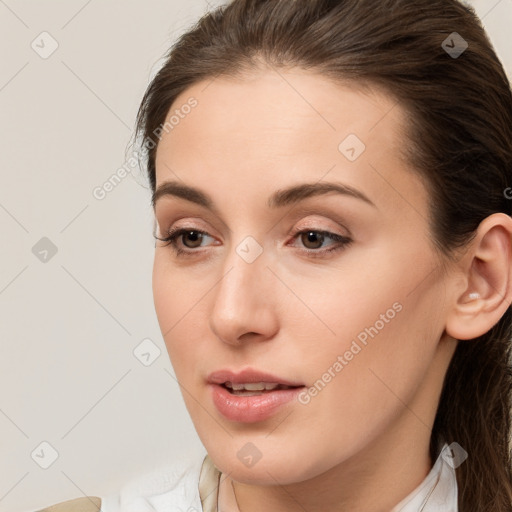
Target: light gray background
{"x": 69, "y": 326}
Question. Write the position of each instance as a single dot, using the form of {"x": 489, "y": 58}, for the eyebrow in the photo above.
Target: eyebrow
{"x": 279, "y": 199}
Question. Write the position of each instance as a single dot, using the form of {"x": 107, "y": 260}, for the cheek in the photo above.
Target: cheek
{"x": 365, "y": 326}
{"x": 181, "y": 307}
{"x": 336, "y": 303}
{"x": 359, "y": 388}
{"x": 170, "y": 299}
{"x": 384, "y": 340}
{"x": 176, "y": 291}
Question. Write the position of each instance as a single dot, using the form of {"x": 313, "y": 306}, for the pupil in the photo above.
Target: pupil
{"x": 314, "y": 238}
{"x": 195, "y": 236}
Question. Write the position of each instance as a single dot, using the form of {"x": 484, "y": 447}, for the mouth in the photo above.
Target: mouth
{"x": 250, "y": 395}
{"x": 254, "y": 388}
{"x": 250, "y": 380}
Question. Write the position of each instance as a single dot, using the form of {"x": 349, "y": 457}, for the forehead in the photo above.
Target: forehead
{"x": 279, "y": 107}
{"x": 277, "y": 126}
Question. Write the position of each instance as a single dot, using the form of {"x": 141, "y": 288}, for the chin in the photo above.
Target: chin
{"x": 271, "y": 469}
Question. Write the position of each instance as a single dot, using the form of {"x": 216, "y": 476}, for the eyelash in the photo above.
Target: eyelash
{"x": 343, "y": 241}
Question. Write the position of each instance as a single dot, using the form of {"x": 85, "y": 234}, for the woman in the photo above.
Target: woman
{"x": 332, "y": 271}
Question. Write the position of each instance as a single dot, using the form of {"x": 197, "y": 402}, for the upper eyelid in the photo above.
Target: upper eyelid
{"x": 294, "y": 214}
{"x": 194, "y": 227}
{"x": 292, "y": 217}
{"x": 211, "y": 218}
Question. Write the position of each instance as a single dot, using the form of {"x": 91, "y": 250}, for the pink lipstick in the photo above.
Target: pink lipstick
{"x": 250, "y": 396}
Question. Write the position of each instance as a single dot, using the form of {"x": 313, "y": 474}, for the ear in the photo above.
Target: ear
{"x": 486, "y": 290}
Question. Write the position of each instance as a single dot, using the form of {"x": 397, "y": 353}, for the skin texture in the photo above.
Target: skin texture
{"x": 362, "y": 442}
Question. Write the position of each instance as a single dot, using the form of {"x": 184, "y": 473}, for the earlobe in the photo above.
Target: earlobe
{"x": 487, "y": 268}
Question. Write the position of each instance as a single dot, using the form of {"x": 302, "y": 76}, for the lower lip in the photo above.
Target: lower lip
{"x": 250, "y": 409}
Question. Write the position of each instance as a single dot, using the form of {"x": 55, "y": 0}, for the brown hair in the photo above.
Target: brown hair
{"x": 460, "y": 141}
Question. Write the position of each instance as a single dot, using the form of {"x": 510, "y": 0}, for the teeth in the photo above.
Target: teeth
{"x": 254, "y": 386}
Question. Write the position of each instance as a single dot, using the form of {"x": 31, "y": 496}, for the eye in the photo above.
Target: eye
{"x": 190, "y": 238}
{"x": 313, "y": 239}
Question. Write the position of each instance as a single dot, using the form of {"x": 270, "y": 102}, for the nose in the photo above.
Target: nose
{"x": 244, "y": 306}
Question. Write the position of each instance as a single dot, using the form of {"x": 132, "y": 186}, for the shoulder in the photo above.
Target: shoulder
{"x": 86, "y": 504}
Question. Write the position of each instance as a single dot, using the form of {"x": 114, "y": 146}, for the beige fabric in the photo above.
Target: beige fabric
{"x": 209, "y": 480}
{"x": 86, "y": 504}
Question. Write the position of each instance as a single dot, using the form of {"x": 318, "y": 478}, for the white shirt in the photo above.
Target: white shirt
{"x": 192, "y": 486}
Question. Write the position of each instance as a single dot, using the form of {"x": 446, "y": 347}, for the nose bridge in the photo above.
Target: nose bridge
{"x": 242, "y": 304}
{"x": 245, "y": 267}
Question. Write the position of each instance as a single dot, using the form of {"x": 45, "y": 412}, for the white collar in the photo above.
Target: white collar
{"x": 438, "y": 491}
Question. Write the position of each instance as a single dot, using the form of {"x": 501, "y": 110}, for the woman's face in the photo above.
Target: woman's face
{"x": 339, "y": 292}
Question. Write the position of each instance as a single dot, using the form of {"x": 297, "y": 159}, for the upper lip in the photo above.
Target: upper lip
{"x": 248, "y": 375}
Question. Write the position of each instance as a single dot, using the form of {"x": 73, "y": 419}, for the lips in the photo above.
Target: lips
{"x": 251, "y": 396}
